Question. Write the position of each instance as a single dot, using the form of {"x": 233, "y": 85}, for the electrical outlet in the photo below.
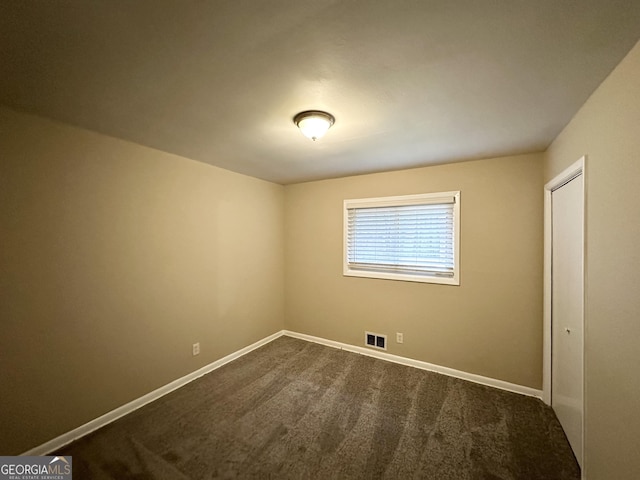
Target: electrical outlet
{"x": 196, "y": 349}
{"x": 399, "y": 337}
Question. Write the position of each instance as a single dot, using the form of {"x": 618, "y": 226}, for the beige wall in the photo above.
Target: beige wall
{"x": 607, "y": 130}
{"x": 490, "y": 325}
{"x": 115, "y": 258}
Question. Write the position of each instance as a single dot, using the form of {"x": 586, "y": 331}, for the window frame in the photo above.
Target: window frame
{"x": 402, "y": 200}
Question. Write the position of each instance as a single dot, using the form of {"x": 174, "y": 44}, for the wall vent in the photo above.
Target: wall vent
{"x": 375, "y": 340}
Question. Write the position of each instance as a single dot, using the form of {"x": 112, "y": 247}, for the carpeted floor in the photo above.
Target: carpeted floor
{"x": 297, "y": 410}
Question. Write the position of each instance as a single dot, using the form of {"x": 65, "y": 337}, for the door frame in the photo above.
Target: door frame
{"x": 574, "y": 170}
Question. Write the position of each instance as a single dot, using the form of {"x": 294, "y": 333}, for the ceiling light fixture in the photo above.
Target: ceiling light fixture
{"x": 313, "y": 123}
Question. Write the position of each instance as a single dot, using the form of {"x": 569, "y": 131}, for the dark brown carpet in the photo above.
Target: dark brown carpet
{"x": 294, "y": 409}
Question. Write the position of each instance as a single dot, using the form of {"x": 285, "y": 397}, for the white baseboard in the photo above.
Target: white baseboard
{"x": 113, "y": 415}
{"x": 472, "y": 377}
{"x": 119, "y": 412}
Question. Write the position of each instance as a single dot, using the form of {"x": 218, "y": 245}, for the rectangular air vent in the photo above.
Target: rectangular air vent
{"x": 375, "y": 340}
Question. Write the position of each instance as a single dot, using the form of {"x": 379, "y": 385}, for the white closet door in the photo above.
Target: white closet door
{"x": 567, "y": 310}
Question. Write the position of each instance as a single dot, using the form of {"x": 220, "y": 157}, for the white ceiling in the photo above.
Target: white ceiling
{"x": 410, "y": 83}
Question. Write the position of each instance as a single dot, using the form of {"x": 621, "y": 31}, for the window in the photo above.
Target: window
{"x": 414, "y": 238}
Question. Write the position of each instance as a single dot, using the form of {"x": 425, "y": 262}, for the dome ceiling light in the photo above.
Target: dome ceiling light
{"x": 314, "y": 123}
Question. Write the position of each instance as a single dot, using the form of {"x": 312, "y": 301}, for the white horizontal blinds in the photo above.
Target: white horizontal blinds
{"x": 417, "y": 239}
